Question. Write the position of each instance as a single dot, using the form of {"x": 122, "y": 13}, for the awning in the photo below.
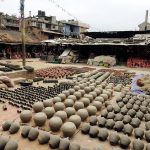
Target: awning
{"x": 52, "y": 32}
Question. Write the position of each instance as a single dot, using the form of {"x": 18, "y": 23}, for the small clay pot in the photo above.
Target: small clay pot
{"x": 73, "y": 97}
{"x": 85, "y": 128}
{"x": 78, "y": 95}
{"x": 56, "y": 99}
{"x": 103, "y": 134}
{"x": 119, "y": 126}
{"x": 64, "y": 144}
{"x": 43, "y": 137}
{"x": 85, "y": 101}
{"x": 62, "y": 96}
{"x": 14, "y": 128}
{"x": 89, "y": 96}
{"x": 33, "y": 134}
{"x": 49, "y": 111}
{"x": 25, "y": 131}
{"x": 76, "y": 120}
{"x": 138, "y": 145}
{"x": 110, "y": 124}
{"x": 135, "y": 122}
{"x": 71, "y": 91}
{"x": 139, "y": 133}
{"x": 147, "y": 125}
{"x": 70, "y": 111}
{"x": 40, "y": 119}
{"x": 140, "y": 115}
{"x": 92, "y": 110}
{"x": 68, "y": 129}
{"x": 83, "y": 113}
{"x": 87, "y": 89}
{"x": 11, "y": 145}
{"x": 104, "y": 113}
{"x": 124, "y": 141}
{"x": 59, "y": 106}
{"x": 101, "y": 121}
{"x": 38, "y": 107}
{"x": 54, "y": 141}
{"x": 132, "y": 113}
{"x": 55, "y": 123}
{"x": 109, "y": 108}
{"x": 128, "y": 129}
{"x": 127, "y": 119}
{"x": 6, "y": 125}
{"x": 100, "y": 99}
{"x": 119, "y": 117}
{"x": 93, "y": 120}
{"x": 69, "y": 103}
{"x": 114, "y": 138}
{"x": 26, "y": 116}
{"x": 97, "y": 104}
{"x": 62, "y": 115}
{"x": 78, "y": 105}
{"x": 93, "y": 131}
{"x": 3, "y": 141}
{"x": 111, "y": 115}
{"x": 116, "y": 109}
{"x": 147, "y": 136}
{"x": 48, "y": 103}
{"x": 67, "y": 93}
{"x": 147, "y": 117}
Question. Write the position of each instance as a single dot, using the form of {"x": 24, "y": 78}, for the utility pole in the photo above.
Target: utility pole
{"x": 23, "y": 32}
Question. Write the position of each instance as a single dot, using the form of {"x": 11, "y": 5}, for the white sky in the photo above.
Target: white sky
{"x": 103, "y": 15}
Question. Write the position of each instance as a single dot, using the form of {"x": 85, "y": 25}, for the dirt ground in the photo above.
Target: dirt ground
{"x": 83, "y": 140}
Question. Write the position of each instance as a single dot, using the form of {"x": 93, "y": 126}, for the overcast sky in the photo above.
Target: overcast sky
{"x": 101, "y": 15}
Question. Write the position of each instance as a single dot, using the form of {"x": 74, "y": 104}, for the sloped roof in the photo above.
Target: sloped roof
{"x": 10, "y": 36}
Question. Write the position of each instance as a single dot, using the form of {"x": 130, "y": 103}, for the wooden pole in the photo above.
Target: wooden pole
{"x": 23, "y": 33}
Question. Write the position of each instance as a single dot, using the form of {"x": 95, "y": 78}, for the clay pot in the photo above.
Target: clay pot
{"x": 68, "y": 129}
{"x": 92, "y": 110}
{"x": 89, "y": 96}
{"x": 76, "y": 120}
{"x": 83, "y": 113}
{"x": 93, "y": 131}
{"x": 3, "y": 141}
{"x": 85, "y": 128}
{"x": 38, "y": 107}
{"x": 93, "y": 120}
{"x": 56, "y": 99}
{"x": 119, "y": 117}
{"x": 93, "y": 94}
{"x": 48, "y": 103}
{"x": 135, "y": 122}
{"x": 67, "y": 93}
{"x": 76, "y": 88}
{"x": 128, "y": 129}
{"x": 85, "y": 101}
{"x": 33, "y": 134}
{"x": 14, "y": 128}
{"x": 114, "y": 138}
{"x": 78, "y": 105}
{"x": 147, "y": 125}
{"x": 78, "y": 95}
{"x": 69, "y": 103}
{"x": 73, "y": 97}
{"x": 64, "y": 144}
{"x": 100, "y": 99}
{"x": 43, "y": 137}
{"x": 40, "y": 119}
{"x": 105, "y": 96}
{"x": 138, "y": 145}
{"x": 97, "y": 104}
{"x": 127, "y": 119}
{"x": 54, "y": 141}
{"x": 147, "y": 136}
{"x": 59, "y": 106}
{"x": 87, "y": 89}
{"x": 119, "y": 126}
{"x": 124, "y": 141}
{"x": 62, "y": 115}
{"x": 101, "y": 121}
{"x": 139, "y": 133}
{"x": 110, "y": 124}
{"x": 11, "y": 145}
{"x": 111, "y": 115}
{"x": 26, "y": 116}
{"x": 6, "y": 125}
{"x": 71, "y": 91}
{"x": 55, "y": 123}
{"x": 49, "y": 111}
{"x": 62, "y": 96}
{"x": 82, "y": 92}
{"x": 25, "y": 131}
{"x": 103, "y": 134}
{"x": 70, "y": 111}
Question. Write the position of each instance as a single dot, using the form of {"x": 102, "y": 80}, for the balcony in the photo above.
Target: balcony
{"x": 9, "y": 24}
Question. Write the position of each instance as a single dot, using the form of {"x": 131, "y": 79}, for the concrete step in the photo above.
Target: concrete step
{"x": 17, "y": 80}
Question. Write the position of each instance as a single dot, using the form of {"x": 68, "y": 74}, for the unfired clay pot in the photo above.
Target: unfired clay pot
{"x": 38, "y": 107}
{"x": 3, "y": 141}
{"x": 55, "y": 123}
{"x": 48, "y": 103}
{"x": 76, "y": 120}
{"x": 73, "y": 97}
{"x": 83, "y": 113}
{"x": 56, "y": 99}
{"x": 40, "y": 118}
{"x": 68, "y": 129}
{"x": 86, "y": 101}
{"x": 78, "y": 95}
{"x": 97, "y": 104}
{"x": 69, "y": 103}
{"x": 26, "y": 116}
{"x": 43, "y": 137}
{"x": 59, "y": 106}
{"x": 92, "y": 110}
{"x": 6, "y": 125}
{"x": 62, "y": 115}
{"x": 70, "y": 111}
{"x": 62, "y": 96}
{"x": 14, "y": 128}
{"x": 49, "y": 111}
{"x": 33, "y": 134}
{"x": 11, "y": 145}
{"x": 25, "y": 131}
{"x": 78, "y": 105}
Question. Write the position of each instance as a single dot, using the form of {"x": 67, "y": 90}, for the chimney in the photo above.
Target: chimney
{"x": 146, "y": 20}
{"x": 29, "y": 13}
